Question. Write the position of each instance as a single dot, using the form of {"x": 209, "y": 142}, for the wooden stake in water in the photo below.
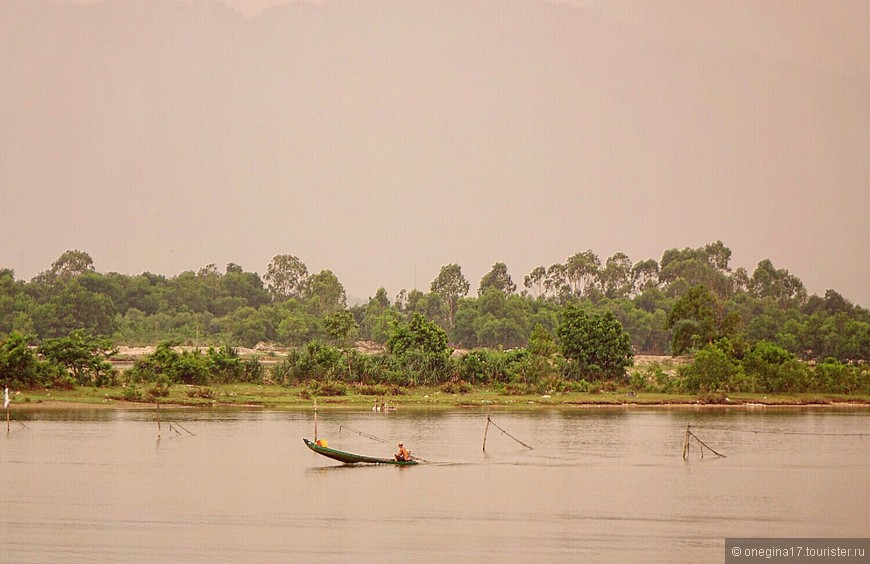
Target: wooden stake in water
{"x": 158, "y": 419}
{"x": 485, "y": 431}
{"x": 315, "y": 420}
{"x": 702, "y": 445}
{"x": 686, "y": 443}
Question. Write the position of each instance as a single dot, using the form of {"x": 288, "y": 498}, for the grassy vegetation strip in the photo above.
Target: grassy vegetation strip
{"x": 267, "y": 396}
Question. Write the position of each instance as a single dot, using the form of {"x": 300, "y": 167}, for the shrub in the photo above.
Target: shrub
{"x": 197, "y": 392}
{"x": 581, "y": 386}
{"x": 379, "y": 390}
{"x": 132, "y": 393}
{"x": 712, "y": 398}
{"x": 710, "y": 371}
{"x": 517, "y": 389}
{"x": 833, "y": 376}
{"x": 638, "y": 381}
{"x": 158, "y": 390}
{"x": 456, "y": 387}
{"x": 742, "y": 382}
{"x": 62, "y": 380}
{"x": 325, "y": 388}
{"x": 553, "y": 385}
{"x": 595, "y": 342}
{"x": 371, "y": 389}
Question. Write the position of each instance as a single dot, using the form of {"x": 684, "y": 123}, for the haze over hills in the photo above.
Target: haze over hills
{"x": 382, "y": 141}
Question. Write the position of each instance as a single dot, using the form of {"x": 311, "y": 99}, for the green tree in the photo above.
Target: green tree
{"x": 145, "y": 293}
{"x": 711, "y": 369}
{"x": 296, "y": 326}
{"x": 341, "y": 328}
{"x": 775, "y": 369}
{"x": 778, "y": 284}
{"x": 168, "y": 365}
{"x": 75, "y": 307}
{"x": 542, "y": 342}
{"x": 419, "y": 335}
{"x": 70, "y": 264}
{"x": 21, "y": 368}
{"x": 245, "y": 286}
{"x": 556, "y": 283}
{"x": 286, "y": 277}
{"x": 687, "y": 268}
{"x": 498, "y": 279}
{"x": 645, "y": 275}
{"x": 380, "y": 299}
{"x": 324, "y": 294}
{"x": 13, "y": 300}
{"x": 616, "y": 276}
{"x": 538, "y": 364}
{"x": 697, "y": 319}
{"x": 85, "y": 355}
{"x": 372, "y": 317}
{"x": 187, "y": 291}
{"x": 420, "y": 349}
{"x": 249, "y": 326}
{"x": 692, "y": 320}
{"x": 581, "y": 271}
{"x": 595, "y": 343}
{"x": 534, "y": 281}
{"x": 450, "y": 285}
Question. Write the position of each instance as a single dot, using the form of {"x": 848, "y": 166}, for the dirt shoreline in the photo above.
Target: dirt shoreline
{"x": 129, "y": 405}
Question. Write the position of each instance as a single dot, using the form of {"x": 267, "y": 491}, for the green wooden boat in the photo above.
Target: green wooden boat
{"x": 350, "y": 458}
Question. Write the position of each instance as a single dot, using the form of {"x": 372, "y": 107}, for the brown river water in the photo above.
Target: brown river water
{"x": 600, "y": 485}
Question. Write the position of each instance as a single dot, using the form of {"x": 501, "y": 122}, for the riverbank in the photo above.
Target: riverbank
{"x": 278, "y": 397}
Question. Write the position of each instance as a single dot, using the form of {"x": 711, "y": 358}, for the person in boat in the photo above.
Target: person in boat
{"x": 404, "y": 455}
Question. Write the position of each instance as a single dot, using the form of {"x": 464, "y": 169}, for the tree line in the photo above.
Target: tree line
{"x": 690, "y": 301}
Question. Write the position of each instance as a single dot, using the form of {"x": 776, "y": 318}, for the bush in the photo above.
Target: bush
{"x": 371, "y": 389}
{"x": 710, "y": 371}
{"x": 487, "y": 366}
{"x": 712, "y": 398}
{"x": 638, "y": 381}
{"x": 197, "y": 392}
{"x": 158, "y": 390}
{"x": 22, "y": 368}
{"x": 326, "y": 388}
{"x": 741, "y": 382}
{"x": 132, "y": 393}
{"x": 62, "y": 382}
{"x": 517, "y": 389}
{"x": 553, "y": 385}
{"x": 595, "y": 342}
{"x": 177, "y": 368}
{"x": 609, "y": 386}
{"x": 379, "y": 390}
{"x": 835, "y": 377}
{"x": 774, "y": 369}
{"x": 665, "y": 382}
{"x": 456, "y": 387}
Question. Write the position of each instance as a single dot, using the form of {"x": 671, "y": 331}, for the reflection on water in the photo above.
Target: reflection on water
{"x": 600, "y": 485}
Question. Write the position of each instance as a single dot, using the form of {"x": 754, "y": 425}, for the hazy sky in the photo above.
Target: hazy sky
{"x": 383, "y": 140}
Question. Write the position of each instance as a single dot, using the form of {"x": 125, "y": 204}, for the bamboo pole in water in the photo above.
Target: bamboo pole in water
{"x": 315, "y": 420}
{"x": 686, "y": 443}
{"x": 158, "y": 419}
{"x": 485, "y": 431}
